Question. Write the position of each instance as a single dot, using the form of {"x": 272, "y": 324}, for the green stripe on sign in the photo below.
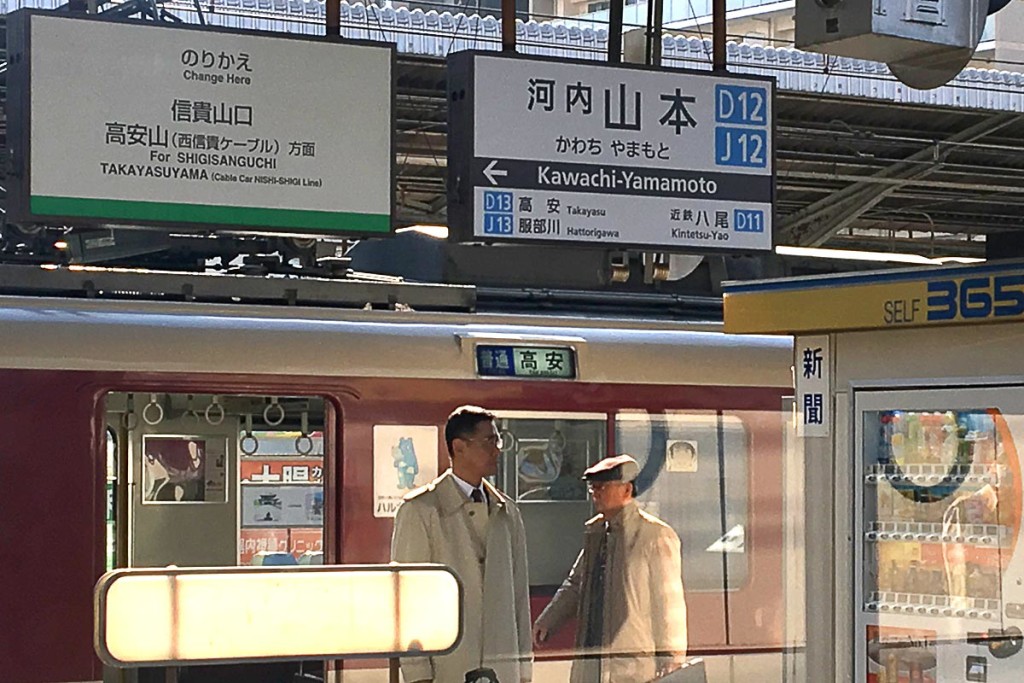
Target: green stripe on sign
{"x": 297, "y": 219}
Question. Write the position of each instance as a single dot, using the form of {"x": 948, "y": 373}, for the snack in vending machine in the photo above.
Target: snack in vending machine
{"x": 913, "y": 582}
{"x": 892, "y": 668}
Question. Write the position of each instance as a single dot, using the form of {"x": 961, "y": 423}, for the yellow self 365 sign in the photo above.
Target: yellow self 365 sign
{"x": 902, "y": 298}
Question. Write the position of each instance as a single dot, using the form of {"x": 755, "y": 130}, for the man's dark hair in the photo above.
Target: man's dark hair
{"x": 462, "y": 423}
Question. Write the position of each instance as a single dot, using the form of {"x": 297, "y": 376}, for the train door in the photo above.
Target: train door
{"x": 216, "y": 480}
{"x": 184, "y": 506}
{"x": 937, "y": 519}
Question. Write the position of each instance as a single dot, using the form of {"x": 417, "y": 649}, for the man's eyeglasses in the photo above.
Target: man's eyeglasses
{"x": 597, "y": 487}
{"x": 492, "y": 440}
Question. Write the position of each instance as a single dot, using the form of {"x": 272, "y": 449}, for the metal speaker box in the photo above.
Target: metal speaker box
{"x": 932, "y": 39}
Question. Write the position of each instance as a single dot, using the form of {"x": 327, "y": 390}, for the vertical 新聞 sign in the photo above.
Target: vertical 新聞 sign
{"x": 556, "y": 151}
{"x": 813, "y": 399}
{"x": 164, "y": 125}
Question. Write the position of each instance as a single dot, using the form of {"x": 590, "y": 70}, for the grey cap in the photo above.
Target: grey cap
{"x": 616, "y": 468}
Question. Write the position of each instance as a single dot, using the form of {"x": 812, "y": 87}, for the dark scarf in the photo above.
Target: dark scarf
{"x": 602, "y": 607}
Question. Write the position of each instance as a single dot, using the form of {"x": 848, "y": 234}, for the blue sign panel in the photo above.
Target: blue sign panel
{"x": 742, "y": 106}
{"x": 744, "y": 141}
{"x": 497, "y": 213}
{"x": 741, "y": 147}
{"x": 748, "y": 220}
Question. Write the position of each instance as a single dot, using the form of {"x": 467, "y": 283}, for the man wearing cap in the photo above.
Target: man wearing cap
{"x": 625, "y": 588}
{"x": 461, "y": 520}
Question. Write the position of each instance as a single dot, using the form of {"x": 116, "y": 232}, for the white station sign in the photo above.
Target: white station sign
{"x": 556, "y": 151}
{"x": 154, "y": 124}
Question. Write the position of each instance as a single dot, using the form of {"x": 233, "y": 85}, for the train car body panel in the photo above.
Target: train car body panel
{"x": 157, "y": 337}
{"x": 61, "y": 359}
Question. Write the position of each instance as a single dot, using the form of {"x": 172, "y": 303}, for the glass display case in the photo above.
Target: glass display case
{"x": 932, "y": 533}
{"x": 939, "y": 517}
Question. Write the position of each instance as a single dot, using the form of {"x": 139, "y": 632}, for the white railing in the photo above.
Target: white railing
{"x": 437, "y": 34}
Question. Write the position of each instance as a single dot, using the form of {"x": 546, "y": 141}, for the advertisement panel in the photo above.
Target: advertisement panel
{"x": 404, "y": 458}
{"x": 183, "y": 469}
{"x": 282, "y": 506}
{"x": 163, "y": 125}
{"x": 294, "y": 541}
{"x": 569, "y": 152}
{"x": 281, "y": 471}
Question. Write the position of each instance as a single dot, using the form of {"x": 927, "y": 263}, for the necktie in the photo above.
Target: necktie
{"x": 477, "y": 496}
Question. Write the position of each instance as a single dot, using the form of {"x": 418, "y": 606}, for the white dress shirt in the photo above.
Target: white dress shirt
{"x": 468, "y": 488}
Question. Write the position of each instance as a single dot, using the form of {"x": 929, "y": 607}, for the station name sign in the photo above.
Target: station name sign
{"x": 164, "y": 125}
{"x": 555, "y": 151}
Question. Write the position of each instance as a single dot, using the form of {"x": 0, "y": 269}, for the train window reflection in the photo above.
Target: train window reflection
{"x": 695, "y": 477}
{"x": 546, "y": 453}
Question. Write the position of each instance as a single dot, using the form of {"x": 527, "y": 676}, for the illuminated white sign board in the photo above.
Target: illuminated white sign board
{"x": 237, "y": 614}
{"x": 148, "y": 123}
{"x": 545, "y": 150}
{"x": 526, "y": 362}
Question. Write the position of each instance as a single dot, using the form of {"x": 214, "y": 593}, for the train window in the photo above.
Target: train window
{"x": 111, "y": 493}
{"x": 546, "y": 453}
{"x": 219, "y": 480}
{"x": 694, "y": 476}
{"x": 282, "y": 500}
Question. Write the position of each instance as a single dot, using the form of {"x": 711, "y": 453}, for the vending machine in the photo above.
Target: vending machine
{"x": 939, "y": 573}
{"x": 909, "y": 396}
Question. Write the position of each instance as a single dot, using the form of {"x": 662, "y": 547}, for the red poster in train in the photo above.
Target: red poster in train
{"x": 404, "y": 458}
{"x": 252, "y": 541}
{"x": 901, "y": 655}
{"x": 281, "y": 471}
{"x": 183, "y": 469}
{"x": 305, "y": 540}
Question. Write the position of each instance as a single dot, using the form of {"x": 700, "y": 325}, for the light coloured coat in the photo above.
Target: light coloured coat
{"x": 438, "y": 523}
{"x": 644, "y": 617}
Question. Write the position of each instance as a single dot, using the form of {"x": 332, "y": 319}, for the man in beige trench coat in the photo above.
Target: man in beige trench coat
{"x": 625, "y": 590}
{"x": 463, "y": 521}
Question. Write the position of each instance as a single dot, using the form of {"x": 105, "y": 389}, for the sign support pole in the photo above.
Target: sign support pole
{"x": 333, "y": 15}
{"x": 508, "y": 25}
{"x": 718, "y": 62}
{"x": 615, "y": 32}
{"x": 659, "y": 20}
{"x": 652, "y": 33}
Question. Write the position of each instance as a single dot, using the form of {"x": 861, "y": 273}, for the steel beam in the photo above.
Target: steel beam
{"x": 814, "y": 225}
